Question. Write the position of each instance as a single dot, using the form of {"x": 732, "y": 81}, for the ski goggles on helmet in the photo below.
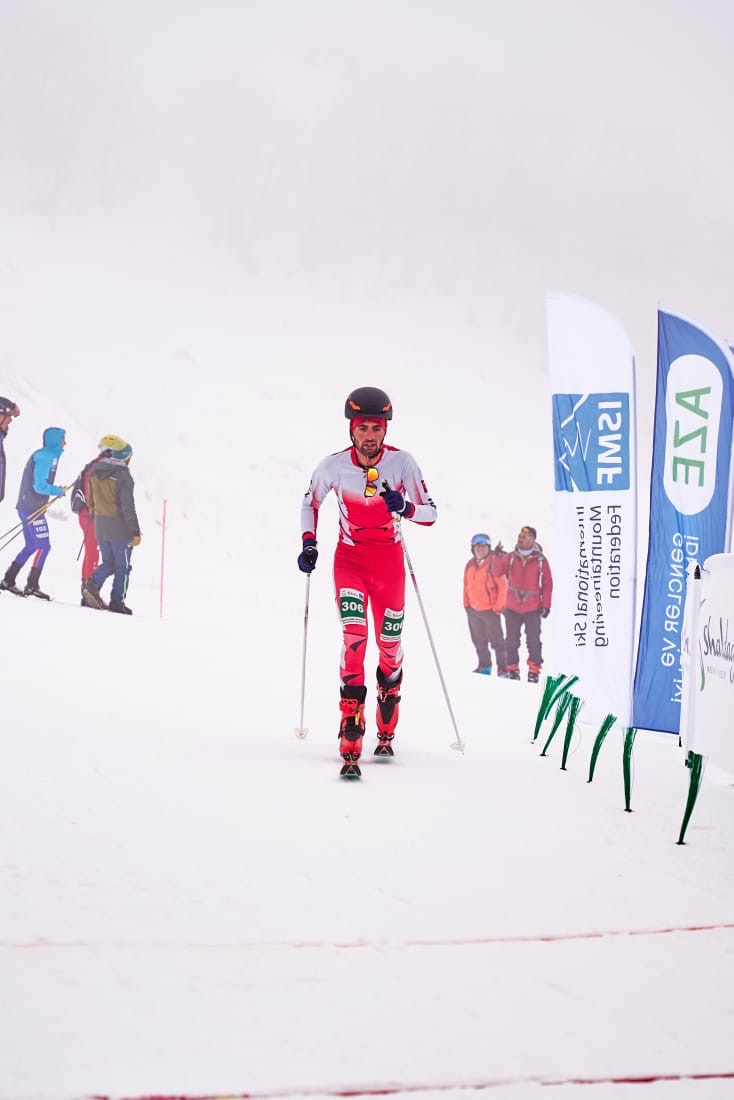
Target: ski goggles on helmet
{"x": 371, "y": 474}
{"x": 481, "y": 540}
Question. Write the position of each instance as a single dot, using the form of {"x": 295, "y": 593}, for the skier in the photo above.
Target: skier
{"x": 8, "y": 409}
{"x": 112, "y": 503}
{"x": 374, "y": 484}
{"x": 484, "y": 599}
{"x": 36, "y": 488}
{"x": 529, "y": 592}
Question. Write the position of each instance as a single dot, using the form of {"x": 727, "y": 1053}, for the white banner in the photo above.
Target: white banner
{"x": 592, "y": 374}
{"x": 711, "y": 680}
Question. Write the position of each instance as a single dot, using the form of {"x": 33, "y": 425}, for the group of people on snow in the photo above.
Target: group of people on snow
{"x": 377, "y": 487}
{"x": 104, "y": 501}
{"x": 518, "y": 586}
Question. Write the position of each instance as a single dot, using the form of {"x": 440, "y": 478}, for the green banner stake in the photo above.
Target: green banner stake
{"x": 694, "y": 761}
{"x": 554, "y": 688}
{"x": 629, "y": 740}
{"x": 570, "y": 724}
{"x": 563, "y": 705}
{"x": 604, "y": 730}
{"x": 551, "y": 683}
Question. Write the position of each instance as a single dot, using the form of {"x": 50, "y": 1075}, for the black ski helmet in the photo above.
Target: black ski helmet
{"x": 368, "y": 401}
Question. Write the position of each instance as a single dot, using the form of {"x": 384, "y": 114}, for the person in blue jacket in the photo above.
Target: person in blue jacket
{"x": 36, "y": 488}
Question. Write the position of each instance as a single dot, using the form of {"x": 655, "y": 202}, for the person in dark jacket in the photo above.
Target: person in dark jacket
{"x": 484, "y": 599}
{"x": 8, "y": 409}
{"x": 528, "y": 601}
{"x": 36, "y": 489}
{"x": 112, "y": 503}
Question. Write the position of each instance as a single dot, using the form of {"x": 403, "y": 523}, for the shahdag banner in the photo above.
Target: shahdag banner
{"x": 592, "y": 374}
{"x": 711, "y": 681}
{"x": 690, "y": 494}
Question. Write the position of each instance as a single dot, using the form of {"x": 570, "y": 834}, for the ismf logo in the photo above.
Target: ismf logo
{"x": 591, "y": 440}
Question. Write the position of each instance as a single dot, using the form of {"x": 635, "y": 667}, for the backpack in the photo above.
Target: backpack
{"x": 78, "y": 496}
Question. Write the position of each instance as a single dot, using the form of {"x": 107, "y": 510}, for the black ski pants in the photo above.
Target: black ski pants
{"x": 485, "y": 628}
{"x": 514, "y": 622}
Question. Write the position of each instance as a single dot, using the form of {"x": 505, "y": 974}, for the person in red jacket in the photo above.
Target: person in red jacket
{"x": 90, "y": 546}
{"x": 377, "y": 487}
{"x": 528, "y": 601}
{"x": 484, "y": 599}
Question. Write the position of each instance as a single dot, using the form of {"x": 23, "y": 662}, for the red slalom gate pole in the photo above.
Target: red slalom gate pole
{"x": 163, "y": 554}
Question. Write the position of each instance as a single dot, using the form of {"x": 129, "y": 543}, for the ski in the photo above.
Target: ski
{"x": 350, "y": 768}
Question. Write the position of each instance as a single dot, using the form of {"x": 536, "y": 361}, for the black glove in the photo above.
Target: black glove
{"x": 544, "y": 612}
{"x": 396, "y": 502}
{"x": 307, "y": 557}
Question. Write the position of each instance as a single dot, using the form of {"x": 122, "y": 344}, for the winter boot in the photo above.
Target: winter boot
{"x": 351, "y": 727}
{"x": 7, "y": 584}
{"x": 91, "y": 595}
{"x": 388, "y": 709}
{"x": 513, "y": 672}
{"x": 533, "y": 672}
{"x": 85, "y": 604}
{"x": 485, "y": 670}
{"x": 31, "y": 588}
{"x": 502, "y": 674}
{"x": 121, "y": 608}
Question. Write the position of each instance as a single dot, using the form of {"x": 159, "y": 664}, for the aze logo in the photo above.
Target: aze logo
{"x": 591, "y": 440}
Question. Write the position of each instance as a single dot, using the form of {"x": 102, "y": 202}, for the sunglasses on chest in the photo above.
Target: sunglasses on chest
{"x": 371, "y": 477}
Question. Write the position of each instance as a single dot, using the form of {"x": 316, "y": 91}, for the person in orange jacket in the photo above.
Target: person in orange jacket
{"x": 528, "y": 601}
{"x": 485, "y": 587}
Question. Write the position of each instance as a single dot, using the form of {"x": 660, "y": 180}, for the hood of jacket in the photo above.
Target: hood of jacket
{"x": 109, "y": 467}
{"x": 53, "y": 440}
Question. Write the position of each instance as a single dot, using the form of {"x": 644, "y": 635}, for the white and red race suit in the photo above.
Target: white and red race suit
{"x": 368, "y": 562}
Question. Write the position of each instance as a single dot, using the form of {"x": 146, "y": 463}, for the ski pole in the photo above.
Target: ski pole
{"x": 458, "y": 744}
{"x": 301, "y": 731}
{"x": 19, "y": 526}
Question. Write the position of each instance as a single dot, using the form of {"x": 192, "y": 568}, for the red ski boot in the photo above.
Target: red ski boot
{"x": 388, "y": 709}
{"x": 351, "y": 729}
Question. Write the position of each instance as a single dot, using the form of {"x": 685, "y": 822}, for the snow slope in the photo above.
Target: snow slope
{"x": 215, "y": 221}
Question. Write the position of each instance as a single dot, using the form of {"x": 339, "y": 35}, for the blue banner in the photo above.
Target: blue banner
{"x": 689, "y": 502}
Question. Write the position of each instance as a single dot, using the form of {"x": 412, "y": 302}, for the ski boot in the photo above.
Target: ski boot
{"x": 513, "y": 672}
{"x": 351, "y": 729}
{"x": 533, "y": 672}
{"x": 31, "y": 588}
{"x": 7, "y": 584}
{"x": 388, "y": 700}
{"x": 485, "y": 670}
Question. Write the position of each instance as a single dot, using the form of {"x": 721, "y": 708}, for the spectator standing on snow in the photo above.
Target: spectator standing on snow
{"x": 36, "y": 489}
{"x": 528, "y": 601}
{"x": 374, "y": 484}
{"x": 112, "y": 504}
{"x": 8, "y": 409}
{"x": 484, "y": 598}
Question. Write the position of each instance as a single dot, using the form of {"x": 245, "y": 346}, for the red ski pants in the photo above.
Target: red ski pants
{"x": 370, "y": 577}
{"x": 91, "y": 549}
